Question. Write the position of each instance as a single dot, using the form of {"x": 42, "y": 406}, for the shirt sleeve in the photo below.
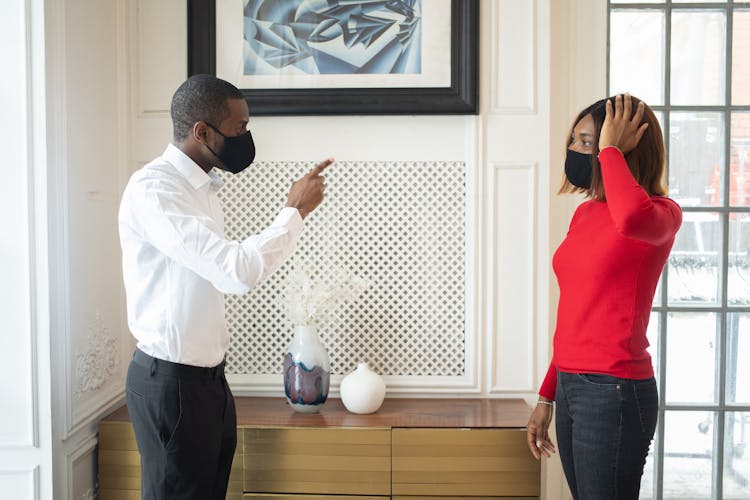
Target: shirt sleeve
{"x": 653, "y": 219}
{"x": 549, "y": 385}
{"x": 188, "y": 235}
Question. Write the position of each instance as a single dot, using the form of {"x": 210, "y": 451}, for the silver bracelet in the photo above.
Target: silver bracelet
{"x": 549, "y": 403}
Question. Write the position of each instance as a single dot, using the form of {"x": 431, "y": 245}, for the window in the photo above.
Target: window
{"x": 691, "y": 62}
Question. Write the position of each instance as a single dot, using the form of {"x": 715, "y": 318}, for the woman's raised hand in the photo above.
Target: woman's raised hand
{"x": 620, "y": 129}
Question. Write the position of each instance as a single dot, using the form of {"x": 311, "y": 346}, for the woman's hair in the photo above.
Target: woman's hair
{"x": 647, "y": 162}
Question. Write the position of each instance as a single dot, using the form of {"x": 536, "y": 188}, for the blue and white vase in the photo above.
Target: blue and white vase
{"x": 306, "y": 371}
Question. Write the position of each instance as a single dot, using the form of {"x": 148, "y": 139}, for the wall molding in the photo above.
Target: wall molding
{"x": 506, "y": 280}
{"x": 72, "y": 458}
{"x": 475, "y": 340}
{"x": 147, "y": 107}
{"x": 101, "y": 410}
{"x": 514, "y": 81}
{"x": 33, "y": 478}
{"x": 35, "y": 237}
{"x": 94, "y": 373}
{"x": 273, "y": 385}
{"x": 59, "y": 228}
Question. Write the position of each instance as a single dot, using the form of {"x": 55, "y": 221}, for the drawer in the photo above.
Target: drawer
{"x": 463, "y": 462}
{"x": 120, "y": 464}
{"x": 323, "y": 461}
{"x": 281, "y": 496}
{"x": 402, "y": 497}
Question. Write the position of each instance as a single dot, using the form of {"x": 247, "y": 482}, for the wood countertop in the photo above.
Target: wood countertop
{"x": 395, "y": 412}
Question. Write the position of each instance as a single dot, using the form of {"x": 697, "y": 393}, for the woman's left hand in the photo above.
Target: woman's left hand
{"x": 537, "y": 431}
{"x": 619, "y": 128}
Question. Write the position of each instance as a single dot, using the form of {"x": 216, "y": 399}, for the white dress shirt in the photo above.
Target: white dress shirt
{"x": 177, "y": 265}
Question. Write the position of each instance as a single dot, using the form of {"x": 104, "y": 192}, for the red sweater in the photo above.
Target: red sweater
{"x": 607, "y": 268}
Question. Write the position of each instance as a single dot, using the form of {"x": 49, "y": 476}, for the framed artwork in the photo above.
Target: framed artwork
{"x": 323, "y": 57}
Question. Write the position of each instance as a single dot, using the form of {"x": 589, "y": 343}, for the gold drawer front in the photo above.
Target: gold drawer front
{"x": 463, "y": 463}
{"x": 325, "y": 461}
{"x": 402, "y": 497}
{"x": 120, "y": 464}
{"x": 271, "y": 496}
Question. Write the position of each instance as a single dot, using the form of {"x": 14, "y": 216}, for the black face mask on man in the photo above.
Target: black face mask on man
{"x": 238, "y": 152}
{"x": 578, "y": 168}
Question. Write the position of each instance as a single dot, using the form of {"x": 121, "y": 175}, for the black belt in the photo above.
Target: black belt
{"x": 177, "y": 370}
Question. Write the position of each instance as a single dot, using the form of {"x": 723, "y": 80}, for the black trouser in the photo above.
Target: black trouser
{"x": 186, "y": 427}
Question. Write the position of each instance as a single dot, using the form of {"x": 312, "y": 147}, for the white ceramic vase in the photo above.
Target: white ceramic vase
{"x": 363, "y": 390}
{"x": 306, "y": 371}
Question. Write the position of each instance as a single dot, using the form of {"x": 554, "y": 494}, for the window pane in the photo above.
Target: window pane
{"x": 694, "y": 264}
{"x": 739, "y": 159}
{"x": 637, "y": 49}
{"x": 648, "y": 482}
{"x": 637, "y": 1}
{"x": 696, "y": 158}
{"x": 688, "y": 454}
{"x": 737, "y": 456}
{"x": 660, "y": 118}
{"x": 739, "y": 259}
{"x": 698, "y": 57}
{"x": 657, "y": 294}
{"x": 740, "y": 56}
{"x": 738, "y": 359}
{"x": 691, "y": 358}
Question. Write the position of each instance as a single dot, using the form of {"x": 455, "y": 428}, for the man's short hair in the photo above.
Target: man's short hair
{"x": 201, "y": 98}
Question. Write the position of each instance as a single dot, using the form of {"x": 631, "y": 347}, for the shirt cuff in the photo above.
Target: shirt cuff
{"x": 290, "y": 218}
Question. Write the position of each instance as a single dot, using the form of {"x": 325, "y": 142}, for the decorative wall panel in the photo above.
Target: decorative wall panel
{"x": 20, "y": 483}
{"x": 514, "y": 57}
{"x": 99, "y": 359}
{"x": 513, "y": 275}
{"x": 159, "y": 71}
{"x": 400, "y": 225}
{"x": 81, "y": 471}
{"x": 17, "y": 262}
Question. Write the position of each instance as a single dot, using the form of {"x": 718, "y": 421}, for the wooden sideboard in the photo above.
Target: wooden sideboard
{"x": 411, "y": 449}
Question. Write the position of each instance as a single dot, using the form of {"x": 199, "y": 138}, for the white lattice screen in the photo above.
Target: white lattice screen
{"x": 401, "y": 225}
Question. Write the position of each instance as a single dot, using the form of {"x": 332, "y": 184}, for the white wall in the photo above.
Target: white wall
{"x": 88, "y": 138}
{"x": 93, "y": 98}
{"x": 65, "y": 117}
{"x": 25, "y": 443}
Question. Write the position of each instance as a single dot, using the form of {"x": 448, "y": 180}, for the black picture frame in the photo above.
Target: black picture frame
{"x": 462, "y": 97}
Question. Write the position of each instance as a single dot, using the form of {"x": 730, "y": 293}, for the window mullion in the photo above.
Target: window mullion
{"x": 659, "y": 455}
{"x": 721, "y": 420}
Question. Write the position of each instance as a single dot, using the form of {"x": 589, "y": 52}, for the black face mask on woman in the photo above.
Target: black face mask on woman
{"x": 578, "y": 168}
{"x": 238, "y": 152}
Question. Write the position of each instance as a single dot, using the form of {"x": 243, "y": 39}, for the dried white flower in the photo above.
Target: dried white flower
{"x": 310, "y": 301}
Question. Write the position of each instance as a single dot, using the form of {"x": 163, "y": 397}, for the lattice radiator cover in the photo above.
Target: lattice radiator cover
{"x": 401, "y": 225}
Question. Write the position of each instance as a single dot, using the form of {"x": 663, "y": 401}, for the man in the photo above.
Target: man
{"x": 177, "y": 266}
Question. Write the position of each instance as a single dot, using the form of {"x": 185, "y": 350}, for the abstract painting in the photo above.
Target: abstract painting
{"x": 305, "y": 57}
{"x": 332, "y": 37}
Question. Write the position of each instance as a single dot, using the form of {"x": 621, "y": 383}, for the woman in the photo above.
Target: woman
{"x": 601, "y": 378}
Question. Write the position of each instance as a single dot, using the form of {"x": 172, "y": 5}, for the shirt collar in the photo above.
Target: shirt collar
{"x": 194, "y": 174}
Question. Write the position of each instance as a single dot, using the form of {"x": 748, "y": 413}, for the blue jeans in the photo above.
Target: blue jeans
{"x": 604, "y": 429}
